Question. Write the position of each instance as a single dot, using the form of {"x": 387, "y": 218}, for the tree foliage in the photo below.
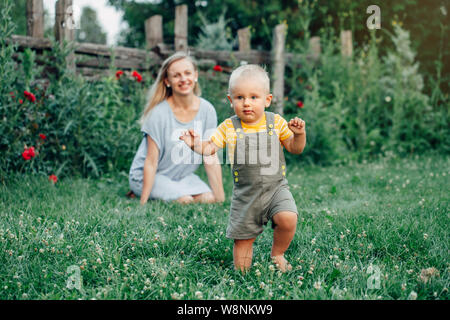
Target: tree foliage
{"x": 90, "y": 29}
{"x": 425, "y": 19}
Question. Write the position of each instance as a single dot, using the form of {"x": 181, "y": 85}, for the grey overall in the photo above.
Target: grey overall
{"x": 260, "y": 187}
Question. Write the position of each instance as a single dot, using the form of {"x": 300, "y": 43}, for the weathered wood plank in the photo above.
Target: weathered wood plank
{"x": 346, "y": 43}
{"x": 64, "y": 21}
{"x": 278, "y": 44}
{"x": 244, "y": 39}
{"x": 136, "y": 57}
{"x": 132, "y": 54}
{"x": 153, "y": 31}
{"x": 314, "y": 47}
{"x": 35, "y": 18}
{"x": 65, "y": 27}
{"x": 181, "y": 27}
{"x": 104, "y": 63}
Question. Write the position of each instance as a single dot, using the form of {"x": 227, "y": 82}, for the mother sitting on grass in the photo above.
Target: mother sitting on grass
{"x": 163, "y": 167}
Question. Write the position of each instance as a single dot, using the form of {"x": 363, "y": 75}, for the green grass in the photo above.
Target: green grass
{"x": 391, "y": 214}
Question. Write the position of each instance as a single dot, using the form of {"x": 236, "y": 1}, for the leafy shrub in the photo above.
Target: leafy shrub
{"x": 364, "y": 105}
{"x": 215, "y": 35}
{"x": 73, "y": 126}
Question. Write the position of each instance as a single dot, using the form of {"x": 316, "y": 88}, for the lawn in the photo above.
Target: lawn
{"x": 377, "y": 230}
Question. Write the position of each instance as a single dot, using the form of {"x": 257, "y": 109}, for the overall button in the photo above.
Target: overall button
{"x": 270, "y": 126}
{"x": 270, "y": 132}
{"x": 236, "y": 179}
{"x": 236, "y": 173}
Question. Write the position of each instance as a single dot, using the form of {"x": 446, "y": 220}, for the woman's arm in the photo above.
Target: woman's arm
{"x": 150, "y": 166}
{"x": 214, "y": 172}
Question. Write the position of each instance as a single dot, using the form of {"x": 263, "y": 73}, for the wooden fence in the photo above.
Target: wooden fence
{"x": 94, "y": 60}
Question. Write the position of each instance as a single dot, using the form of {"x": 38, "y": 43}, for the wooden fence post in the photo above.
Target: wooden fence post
{"x": 181, "y": 28}
{"x": 244, "y": 39}
{"x": 153, "y": 31}
{"x": 35, "y": 18}
{"x": 279, "y": 39}
{"x": 65, "y": 27}
{"x": 314, "y": 47}
{"x": 346, "y": 43}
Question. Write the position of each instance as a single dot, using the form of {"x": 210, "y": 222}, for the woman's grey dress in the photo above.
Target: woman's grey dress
{"x": 177, "y": 162}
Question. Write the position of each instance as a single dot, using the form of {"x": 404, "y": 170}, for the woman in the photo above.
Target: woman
{"x": 164, "y": 166}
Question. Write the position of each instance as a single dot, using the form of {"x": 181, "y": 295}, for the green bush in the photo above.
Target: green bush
{"x": 365, "y": 105}
{"x": 76, "y": 127}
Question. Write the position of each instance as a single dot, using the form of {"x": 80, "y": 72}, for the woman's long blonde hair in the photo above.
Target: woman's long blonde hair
{"x": 158, "y": 91}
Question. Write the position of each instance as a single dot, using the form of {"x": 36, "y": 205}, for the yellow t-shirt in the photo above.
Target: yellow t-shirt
{"x": 226, "y": 135}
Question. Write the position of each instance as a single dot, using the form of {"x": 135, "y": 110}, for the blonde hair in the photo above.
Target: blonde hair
{"x": 252, "y": 70}
{"x": 158, "y": 91}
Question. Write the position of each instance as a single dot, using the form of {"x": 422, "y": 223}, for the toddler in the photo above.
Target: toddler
{"x": 255, "y": 141}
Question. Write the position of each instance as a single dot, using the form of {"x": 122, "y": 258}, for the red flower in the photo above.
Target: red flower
{"x": 118, "y": 74}
{"x": 12, "y": 94}
{"x": 53, "y": 178}
{"x": 300, "y": 104}
{"x": 20, "y": 101}
{"x": 31, "y": 97}
{"x": 137, "y": 76}
{"x": 42, "y": 136}
{"x": 217, "y": 68}
{"x": 28, "y": 153}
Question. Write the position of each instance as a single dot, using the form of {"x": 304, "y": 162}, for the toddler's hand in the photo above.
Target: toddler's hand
{"x": 297, "y": 125}
{"x": 191, "y": 138}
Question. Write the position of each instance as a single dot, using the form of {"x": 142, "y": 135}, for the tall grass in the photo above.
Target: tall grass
{"x": 385, "y": 220}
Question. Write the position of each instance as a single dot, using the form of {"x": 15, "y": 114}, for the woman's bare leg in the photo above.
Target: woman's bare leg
{"x": 185, "y": 199}
{"x": 207, "y": 197}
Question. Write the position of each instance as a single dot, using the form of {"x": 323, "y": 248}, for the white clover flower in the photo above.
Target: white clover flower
{"x": 387, "y": 99}
{"x": 318, "y": 285}
{"x": 412, "y": 295}
{"x": 198, "y": 294}
{"x": 175, "y": 296}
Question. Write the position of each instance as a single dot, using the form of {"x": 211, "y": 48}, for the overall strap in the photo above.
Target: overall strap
{"x": 240, "y": 140}
{"x": 270, "y": 121}
{"x": 236, "y": 123}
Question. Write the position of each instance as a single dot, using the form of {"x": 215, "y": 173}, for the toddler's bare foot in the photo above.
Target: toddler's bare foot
{"x": 281, "y": 263}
